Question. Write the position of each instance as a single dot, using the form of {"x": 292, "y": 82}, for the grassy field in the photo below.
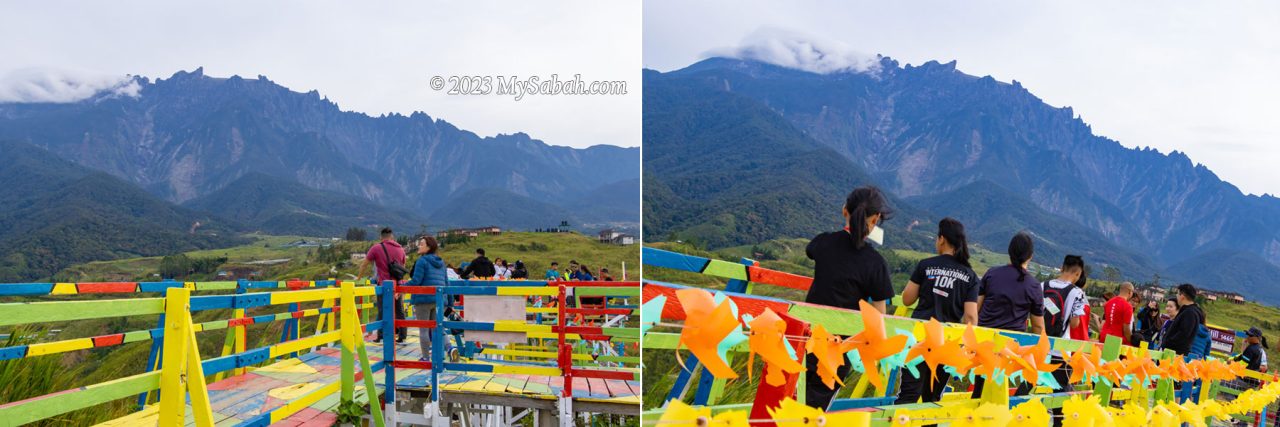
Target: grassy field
{"x": 80, "y": 368}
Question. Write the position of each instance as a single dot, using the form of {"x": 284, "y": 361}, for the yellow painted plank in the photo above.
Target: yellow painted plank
{"x": 527, "y": 370}
{"x": 303, "y": 296}
{"x": 59, "y": 346}
{"x": 528, "y": 290}
{"x": 518, "y": 326}
{"x": 302, "y": 402}
{"x": 304, "y": 343}
{"x": 63, "y": 289}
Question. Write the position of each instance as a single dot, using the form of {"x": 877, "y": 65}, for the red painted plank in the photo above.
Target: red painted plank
{"x": 778, "y": 278}
{"x": 106, "y": 287}
{"x": 108, "y": 340}
{"x": 673, "y": 310}
{"x": 601, "y": 374}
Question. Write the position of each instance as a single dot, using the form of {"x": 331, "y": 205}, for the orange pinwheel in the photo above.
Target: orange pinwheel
{"x": 873, "y": 345}
{"x": 705, "y": 326}
{"x": 1031, "y": 359}
{"x": 767, "y": 340}
{"x": 1084, "y": 366}
{"x": 1113, "y": 370}
{"x": 936, "y": 350}
{"x": 983, "y": 359}
{"x": 1176, "y": 368}
{"x": 1141, "y": 367}
{"x": 829, "y": 351}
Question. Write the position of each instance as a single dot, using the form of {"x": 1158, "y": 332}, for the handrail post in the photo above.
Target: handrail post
{"x": 347, "y": 305}
{"x": 564, "y": 356}
{"x": 389, "y": 350}
{"x": 180, "y": 369}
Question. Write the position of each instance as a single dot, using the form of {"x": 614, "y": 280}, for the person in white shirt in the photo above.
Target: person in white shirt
{"x": 1064, "y": 302}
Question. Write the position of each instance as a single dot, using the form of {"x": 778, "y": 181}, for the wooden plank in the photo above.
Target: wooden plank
{"x": 50, "y": 405}
{"x": 61, "y": 311}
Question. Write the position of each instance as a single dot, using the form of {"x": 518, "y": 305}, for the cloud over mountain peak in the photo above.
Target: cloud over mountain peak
{"x": 34, "y": 85}
{"x": 800, "y": 51}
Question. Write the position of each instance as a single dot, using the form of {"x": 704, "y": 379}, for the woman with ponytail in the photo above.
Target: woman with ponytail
{"x": 947, "y": 290}
{"x": 848, "y": 270}
{"x": 1009, "y": 297}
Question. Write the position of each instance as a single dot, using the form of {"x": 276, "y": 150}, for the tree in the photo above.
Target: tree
{"x": 357, "y": 234}
{"x": 1111, "y": 273}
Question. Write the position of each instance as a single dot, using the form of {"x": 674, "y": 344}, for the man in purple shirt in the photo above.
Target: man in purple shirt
{"x": 380, "y": 255}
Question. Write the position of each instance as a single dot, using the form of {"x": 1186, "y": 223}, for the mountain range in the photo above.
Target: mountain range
{"x": 58, "y": 214}
{"x": 189, "y": 137}
{"x": 943, "y": 143}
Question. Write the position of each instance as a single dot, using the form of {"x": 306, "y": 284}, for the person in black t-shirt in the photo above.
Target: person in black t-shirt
{"x": 1253, "y": 356}
{"x": 847, "y": 270}
{"x": 947, "y": 289}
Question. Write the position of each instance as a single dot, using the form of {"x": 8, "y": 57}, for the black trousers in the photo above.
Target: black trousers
{"x": 914, "y": 389}
{"x": 1063, "y": 376}
{"x": 401, "y": 333}
{"x": 816, "y": 394}
{"x": 1024, "y": 388}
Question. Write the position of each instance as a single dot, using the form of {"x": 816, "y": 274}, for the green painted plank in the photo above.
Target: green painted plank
{"x": 619, "y": 359}
{"x": 621, "y": 332}
{"x": 58, "y": 311}
{"x": 216, "y": 286}
{"x": 52, "y": 405}
{"x": 1110, "y": 351}
{"x": 726, "y": 269}
{"x": 607, "y": 291}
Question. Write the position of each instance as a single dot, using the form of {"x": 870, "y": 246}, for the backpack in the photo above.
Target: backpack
{"x": 1056, "y": 324}
{"x": 394, "y": 269}
{"x": 1201, "y": 344}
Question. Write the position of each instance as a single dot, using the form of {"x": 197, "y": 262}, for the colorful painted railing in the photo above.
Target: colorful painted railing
{"x": 837, "y": 321}
{"x": 180, "y": 373}
{"x": 562, "y": 331}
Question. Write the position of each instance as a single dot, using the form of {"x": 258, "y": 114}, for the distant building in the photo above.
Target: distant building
{"x": 617, "y": 238}
{"x": 239, "y": 272}
{"x": 470, "y": 232}
{"x": 304, "y": 243}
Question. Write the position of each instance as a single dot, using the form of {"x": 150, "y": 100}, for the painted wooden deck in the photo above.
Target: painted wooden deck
{"x": 242, "y": 397}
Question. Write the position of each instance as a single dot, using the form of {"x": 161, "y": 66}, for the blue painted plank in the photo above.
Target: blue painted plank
{"x": 673, "y": 260}
{"x": 15, "y": 289}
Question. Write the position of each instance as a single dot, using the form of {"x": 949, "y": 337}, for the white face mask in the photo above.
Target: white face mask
{"x": 876, "y": 235}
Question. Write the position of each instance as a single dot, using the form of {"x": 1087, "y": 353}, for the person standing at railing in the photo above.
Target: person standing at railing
{"x": 480, "y": 267}
{"x": 1009, "y": 298}
{"x": 553, "y": 273}
{"x": 1064, "y": 305}
{"x": 848, "y": 270}
{"x": 382, "y": 256}
{"x": 947, "y": 290}
{"x": 1117, "y": 316}
{"x": 429, "y": 270}
{"x": 501, "y": 271}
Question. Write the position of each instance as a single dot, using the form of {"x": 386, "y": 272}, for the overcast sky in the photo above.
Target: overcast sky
{"x": 1194, "y": 77}
{"x": 369, "y": 57}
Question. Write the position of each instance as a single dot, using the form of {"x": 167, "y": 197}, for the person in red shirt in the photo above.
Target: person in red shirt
{"x": 1081, "y": 330}
{"x": 380, "y": 256}
{"x": 1117, "y": 315}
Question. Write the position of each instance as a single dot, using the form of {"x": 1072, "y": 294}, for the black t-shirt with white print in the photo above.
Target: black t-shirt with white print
{"x": 945, "y": 285}
{"x": 844, "y": 274}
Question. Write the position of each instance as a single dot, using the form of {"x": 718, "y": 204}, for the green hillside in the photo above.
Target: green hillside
{"x": 282, "y": 206}
{"x": 57, "y": 214}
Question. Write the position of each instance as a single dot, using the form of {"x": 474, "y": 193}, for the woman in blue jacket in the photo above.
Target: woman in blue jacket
{"x": 428, "y": 271}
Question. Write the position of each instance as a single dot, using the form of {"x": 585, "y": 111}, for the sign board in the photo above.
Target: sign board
{"x": 492, "y": 308}
{"x": 1224, "y": 340}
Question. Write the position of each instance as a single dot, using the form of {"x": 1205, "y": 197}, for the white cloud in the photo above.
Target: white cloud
{"x": 799, "y": 51}
{"x": 31, "y": 85}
